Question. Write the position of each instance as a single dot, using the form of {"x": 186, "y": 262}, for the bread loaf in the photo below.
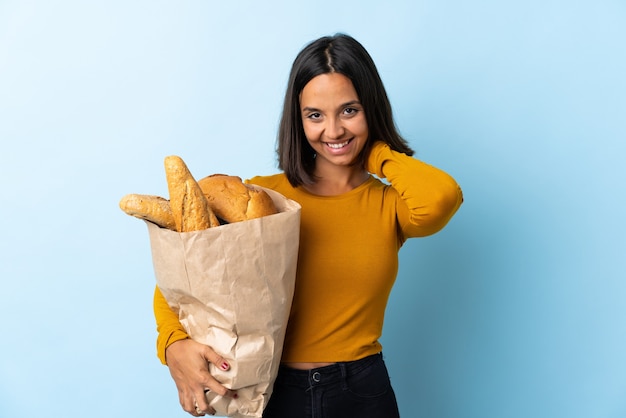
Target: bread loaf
{"x": 234, "y": 201}
{"x": 151, "y": 208}
{"x": 190, "y": 207}
{"x": 197, "y": 205}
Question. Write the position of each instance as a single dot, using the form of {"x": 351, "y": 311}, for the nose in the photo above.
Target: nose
{"x": 334, "y": 129}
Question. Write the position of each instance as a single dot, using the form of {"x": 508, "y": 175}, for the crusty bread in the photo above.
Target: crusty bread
{"x": 234, "y": 201}
{"x": 151, "y": 208}
{"x": 190, "y": 207}
{"x": 196, "y": 205}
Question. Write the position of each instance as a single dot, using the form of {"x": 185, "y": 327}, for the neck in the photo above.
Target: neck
{"x": 335, "y": 180}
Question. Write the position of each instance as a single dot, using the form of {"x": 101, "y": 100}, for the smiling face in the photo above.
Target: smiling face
{"x": 333, "y": 120}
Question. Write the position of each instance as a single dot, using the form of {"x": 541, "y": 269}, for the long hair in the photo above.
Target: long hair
{"x": 333, "y": 54}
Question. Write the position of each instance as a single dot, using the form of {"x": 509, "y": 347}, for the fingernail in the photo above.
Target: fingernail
{"x": 224, "y": 366}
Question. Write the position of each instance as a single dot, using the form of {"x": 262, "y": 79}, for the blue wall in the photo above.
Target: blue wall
{"x": 515, "y": 310}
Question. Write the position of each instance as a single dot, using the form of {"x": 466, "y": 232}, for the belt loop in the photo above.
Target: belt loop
{"x": 344, "y": 375}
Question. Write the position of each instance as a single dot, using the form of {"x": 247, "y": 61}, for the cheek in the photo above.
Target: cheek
{"x": 311, "y": 132}
{"x": 360, "y": 128}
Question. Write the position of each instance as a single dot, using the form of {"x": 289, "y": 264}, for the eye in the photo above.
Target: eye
{"x": 314, "y": 116}
{"x": 349, "y": 111}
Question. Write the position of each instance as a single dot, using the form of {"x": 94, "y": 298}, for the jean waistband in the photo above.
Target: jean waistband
{"x": 325, "y": 375}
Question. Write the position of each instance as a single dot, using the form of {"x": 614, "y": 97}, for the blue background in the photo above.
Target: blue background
{"x": 515, "y": 310}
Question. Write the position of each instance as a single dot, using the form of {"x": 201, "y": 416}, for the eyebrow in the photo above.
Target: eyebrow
{"x": 350, "y": 103}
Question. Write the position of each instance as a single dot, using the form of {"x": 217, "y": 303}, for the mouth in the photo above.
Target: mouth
{"x": 337, "y": 145}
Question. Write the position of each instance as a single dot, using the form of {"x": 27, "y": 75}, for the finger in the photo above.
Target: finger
{"x": 217, "y": 360}
{"x": 210, "y": 382}
{"x": 188, "y": 403}
{"x": 193, "y": 404}
{"x": 216, "y": 387}
{"x": 201, "y": 403}
{"x": 199, "y": 412}
{"x": 202, "y": 406}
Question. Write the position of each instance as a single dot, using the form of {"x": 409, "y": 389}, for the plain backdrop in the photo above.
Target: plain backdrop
{"x": 515, "y": 310}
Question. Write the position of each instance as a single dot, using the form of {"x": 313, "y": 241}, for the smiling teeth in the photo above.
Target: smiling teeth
{"x": 337, "y": 146}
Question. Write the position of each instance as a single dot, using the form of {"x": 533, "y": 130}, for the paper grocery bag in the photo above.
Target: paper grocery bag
{"x": 232, "y": 287}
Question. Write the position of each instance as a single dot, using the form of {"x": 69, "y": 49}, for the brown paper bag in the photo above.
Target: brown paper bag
{"x": 232, "y": 288}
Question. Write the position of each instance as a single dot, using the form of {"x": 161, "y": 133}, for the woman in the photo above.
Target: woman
{"x": 336, "y": 131}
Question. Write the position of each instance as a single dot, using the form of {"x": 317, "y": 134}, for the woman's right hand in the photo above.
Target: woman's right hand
{"x": 188, "y": 362}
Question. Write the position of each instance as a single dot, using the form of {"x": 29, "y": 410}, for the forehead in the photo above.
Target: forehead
{"x": 328, "y": 88}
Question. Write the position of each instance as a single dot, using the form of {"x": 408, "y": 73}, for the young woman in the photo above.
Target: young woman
{"x": 337, "y": 139}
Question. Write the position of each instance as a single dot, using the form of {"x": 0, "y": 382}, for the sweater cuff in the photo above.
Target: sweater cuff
{"x": 379, "y": 153}
{"x": 164, "y": 340}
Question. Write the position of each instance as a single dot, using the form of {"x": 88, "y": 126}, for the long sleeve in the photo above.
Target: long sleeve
{"x": 169, "y": 327}
{"x": 431, "y": 196}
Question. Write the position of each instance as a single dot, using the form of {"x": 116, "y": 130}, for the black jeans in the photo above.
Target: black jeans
{"x": 359, "y": 389}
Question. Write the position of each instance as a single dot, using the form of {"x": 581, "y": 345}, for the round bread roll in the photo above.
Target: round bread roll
{"x": 234, "y": 201}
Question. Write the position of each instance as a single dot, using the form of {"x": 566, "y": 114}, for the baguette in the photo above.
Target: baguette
{"x": 234, "y": 201}
{"x": 190, "y": 207}
{"x": 151, "y": 208}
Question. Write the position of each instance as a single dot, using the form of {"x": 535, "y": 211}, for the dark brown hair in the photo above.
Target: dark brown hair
{"x": 333, "y": 54}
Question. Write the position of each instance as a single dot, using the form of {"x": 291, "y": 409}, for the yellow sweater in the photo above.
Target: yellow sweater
{"x": 348, "y": 257}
